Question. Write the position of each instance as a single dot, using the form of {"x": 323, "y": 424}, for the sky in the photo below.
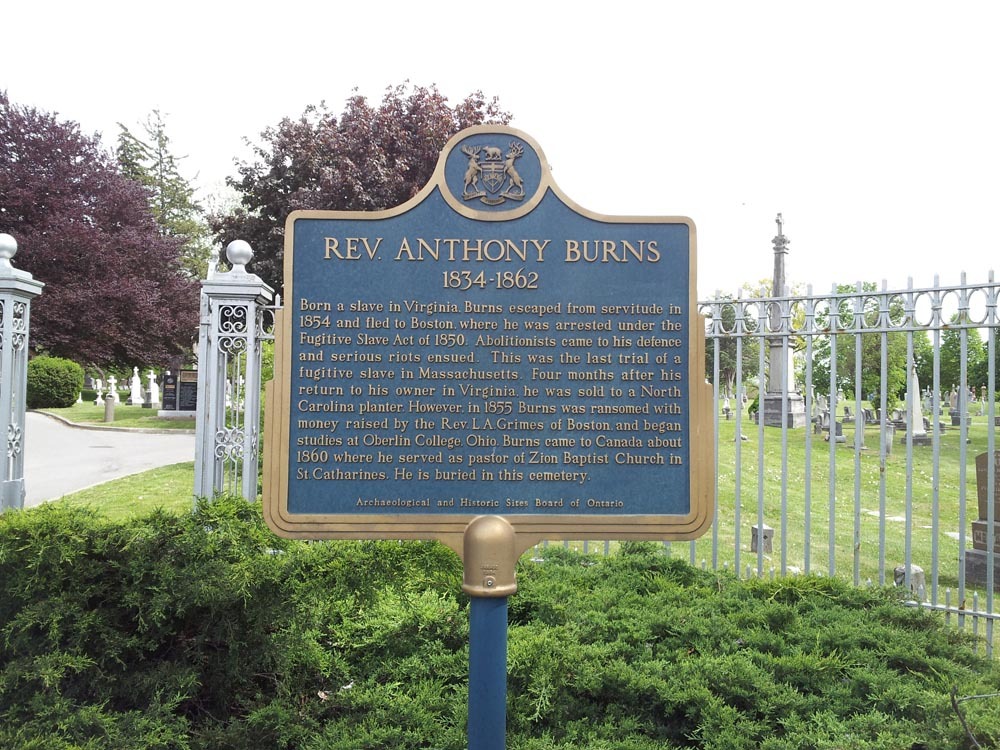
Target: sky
{"x": 872, "y": 127}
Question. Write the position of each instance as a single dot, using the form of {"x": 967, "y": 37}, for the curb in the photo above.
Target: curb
{"x": 110, "y": 428}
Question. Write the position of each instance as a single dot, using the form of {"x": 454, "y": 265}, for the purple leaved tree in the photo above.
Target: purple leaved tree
{"x": 371, "y": 158}
{"x": 115, "y": 293}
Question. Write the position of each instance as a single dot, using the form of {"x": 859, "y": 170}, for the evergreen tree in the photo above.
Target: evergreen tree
{"x": 842, "y": 312}
{"x": 172, "y": 199}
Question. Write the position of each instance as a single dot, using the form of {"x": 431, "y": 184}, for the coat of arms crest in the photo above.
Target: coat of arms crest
{"x": 491, "y": 175}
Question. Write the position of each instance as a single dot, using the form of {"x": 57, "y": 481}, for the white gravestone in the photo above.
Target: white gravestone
{"x": 153, "y": 392}
{"x": 135, "y": 388}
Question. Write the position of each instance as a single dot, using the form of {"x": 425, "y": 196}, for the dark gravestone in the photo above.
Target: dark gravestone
{"x": 169, "y": 392}
{"x": 187, "y": 390}
{"x": 982, "y": 476}
{"x": 976, "y": 559}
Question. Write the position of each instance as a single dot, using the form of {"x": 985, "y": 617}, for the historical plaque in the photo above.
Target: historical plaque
{"x": 489, "y": 348}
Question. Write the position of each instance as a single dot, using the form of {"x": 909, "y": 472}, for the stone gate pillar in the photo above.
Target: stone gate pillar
{"x": 17, "y": 289}
{"x": 227, "y": 428}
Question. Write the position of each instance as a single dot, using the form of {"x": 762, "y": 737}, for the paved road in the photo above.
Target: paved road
{"x": 59, "y": 459}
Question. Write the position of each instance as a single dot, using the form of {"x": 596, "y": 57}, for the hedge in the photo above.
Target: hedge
{"x": 204, "y": 631}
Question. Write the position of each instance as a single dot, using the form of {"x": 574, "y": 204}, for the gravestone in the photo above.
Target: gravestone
{"x": 887, "y": 436}
{"x": 982, "y": 476}
{"x": 180, "y": 394}
{"x": 918, "y": 581}
{"x": 169, "y": 391}
{"x": 765, "y": 541}
{"x": 152, "y": 399}
{"x": 823, "y": 422}
{"x": 916, "y": 432}
{"x": 135, "y": 388}
{"x": 956, "y": 411}
{"x": 976, "y": 559}
{"x": 837, "y": 432}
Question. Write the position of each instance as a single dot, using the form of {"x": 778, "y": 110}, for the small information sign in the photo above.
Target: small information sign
{"x": 169, "y": 391}
{"x": 187, "y": 390}
{"x": 489, "y": 348}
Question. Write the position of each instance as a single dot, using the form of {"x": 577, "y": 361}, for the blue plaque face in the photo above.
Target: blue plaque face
{"x": 489, "y": 348}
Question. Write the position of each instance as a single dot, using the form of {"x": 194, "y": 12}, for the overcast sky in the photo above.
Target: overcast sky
{"x": 873, "y": 127}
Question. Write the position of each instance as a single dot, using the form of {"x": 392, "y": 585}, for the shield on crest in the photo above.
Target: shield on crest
{"x": 493, "y": 175}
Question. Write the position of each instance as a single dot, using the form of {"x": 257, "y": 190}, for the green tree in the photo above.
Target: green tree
{"x": 730, "y": 351}
{"x": 981, "y": 376}
{"x": 845, "y": 367}
{"x": 951, "y": 357}
{"x": 172, "y": 200}
{"x": 923, "y": 358}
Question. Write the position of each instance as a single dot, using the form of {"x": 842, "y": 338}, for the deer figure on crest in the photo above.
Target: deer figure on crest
{"x": 516, "y": 184}
{"x": 473, "y": 170}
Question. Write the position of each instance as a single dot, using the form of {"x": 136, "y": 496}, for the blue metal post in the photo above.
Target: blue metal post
{"x": 488, "y": 673}
{"x": 489, "y": 558}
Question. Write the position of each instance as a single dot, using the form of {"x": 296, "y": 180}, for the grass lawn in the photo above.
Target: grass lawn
{"x": 168, "y": 488}
{"x": 865, "y": 503}
{"x": 125, "y": 416}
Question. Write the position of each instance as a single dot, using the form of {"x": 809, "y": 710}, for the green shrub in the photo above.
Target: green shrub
{"x": 53, "y": 382}
{"x": 205, "y": 631}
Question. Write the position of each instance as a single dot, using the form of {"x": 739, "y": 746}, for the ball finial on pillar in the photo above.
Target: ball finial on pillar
{"x": 8, "y": 249}
{"x": 239, "y": 254}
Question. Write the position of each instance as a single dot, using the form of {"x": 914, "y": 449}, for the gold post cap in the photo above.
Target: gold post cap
{"x": 490, "y": 557}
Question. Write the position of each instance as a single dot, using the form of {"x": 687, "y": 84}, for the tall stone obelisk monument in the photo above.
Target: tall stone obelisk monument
{"x": 779, "y": 363}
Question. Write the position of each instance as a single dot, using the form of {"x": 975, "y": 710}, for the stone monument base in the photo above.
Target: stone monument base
{"x": 772, "y": 407}
{"x": 976, "y": 566}
{"x": 979, "y": 535}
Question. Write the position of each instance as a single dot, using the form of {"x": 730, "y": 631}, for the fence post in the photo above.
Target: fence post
{"x": 227, "y": 428}
{"x": 17, "y": 289}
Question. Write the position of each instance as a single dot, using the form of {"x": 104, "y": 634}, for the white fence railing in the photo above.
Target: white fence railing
{"x": 881, "y": 484}
{"x": 876, "y": 468}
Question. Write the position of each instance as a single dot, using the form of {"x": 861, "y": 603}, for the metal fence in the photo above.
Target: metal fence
{"x": 878, "y": 484}
{"x": 881, "y": 484}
